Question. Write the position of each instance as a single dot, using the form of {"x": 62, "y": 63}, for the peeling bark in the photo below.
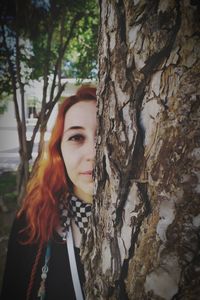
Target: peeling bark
{"x": 144, "y": 241}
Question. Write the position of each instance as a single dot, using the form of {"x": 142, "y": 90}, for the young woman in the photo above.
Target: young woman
{"x": 43, "y": 259}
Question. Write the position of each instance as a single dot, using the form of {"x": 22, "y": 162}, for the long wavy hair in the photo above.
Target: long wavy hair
{"x": 50, "y": 181}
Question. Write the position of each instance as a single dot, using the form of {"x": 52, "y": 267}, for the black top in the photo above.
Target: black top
{"x": 20, "y": 260}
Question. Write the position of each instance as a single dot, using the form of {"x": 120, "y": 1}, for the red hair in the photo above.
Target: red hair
{"x": 50, "y": 182}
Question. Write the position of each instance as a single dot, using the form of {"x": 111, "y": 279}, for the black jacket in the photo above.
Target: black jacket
{"x": 20, "y": 260}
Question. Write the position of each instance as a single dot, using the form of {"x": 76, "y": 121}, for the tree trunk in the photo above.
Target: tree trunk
{"x": 144, "y": 241}
{"x": 23, "y": 168}
{"x": 15, "y": 73}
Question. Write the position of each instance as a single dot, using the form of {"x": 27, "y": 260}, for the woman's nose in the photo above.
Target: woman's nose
{"x": 91, "y": 149}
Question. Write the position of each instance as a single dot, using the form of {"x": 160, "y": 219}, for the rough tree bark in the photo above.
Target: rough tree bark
{"x": 144, "y": 238}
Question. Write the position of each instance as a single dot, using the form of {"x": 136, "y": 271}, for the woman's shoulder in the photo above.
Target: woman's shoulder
{"x": 19, "y": 222}
{"x": 18, "y": 228}
{"x": 17, "y": 243}
{"x": 19, "y": 261}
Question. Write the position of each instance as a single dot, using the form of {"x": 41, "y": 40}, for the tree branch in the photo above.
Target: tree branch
{"x": 61, "y": 53}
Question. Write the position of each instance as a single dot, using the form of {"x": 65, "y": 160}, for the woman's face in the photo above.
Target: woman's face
{"x": 78, "y": 147}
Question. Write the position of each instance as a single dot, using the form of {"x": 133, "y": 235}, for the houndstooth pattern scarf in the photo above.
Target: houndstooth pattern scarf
{"x": 74, "y": 208}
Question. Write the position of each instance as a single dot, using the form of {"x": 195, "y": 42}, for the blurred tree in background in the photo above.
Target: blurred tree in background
{"x": 46, "y": 40}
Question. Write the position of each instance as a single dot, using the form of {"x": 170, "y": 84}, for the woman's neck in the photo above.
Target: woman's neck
{"x": 85, "y": 197}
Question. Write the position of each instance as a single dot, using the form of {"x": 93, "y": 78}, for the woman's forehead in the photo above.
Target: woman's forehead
{"x": 81, "y": 114}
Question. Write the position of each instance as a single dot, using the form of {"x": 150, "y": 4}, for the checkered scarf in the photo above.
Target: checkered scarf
{"x": 74, "y": 208}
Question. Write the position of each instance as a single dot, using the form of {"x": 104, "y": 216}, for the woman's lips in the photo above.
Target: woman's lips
{"x": 89, "y": 173}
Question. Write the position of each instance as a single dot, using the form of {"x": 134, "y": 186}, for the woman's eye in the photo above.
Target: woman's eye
{"x": 76, "y": 138}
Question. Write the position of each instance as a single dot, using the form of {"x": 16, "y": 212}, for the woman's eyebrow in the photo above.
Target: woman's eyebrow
{"x": 73, "y": 128}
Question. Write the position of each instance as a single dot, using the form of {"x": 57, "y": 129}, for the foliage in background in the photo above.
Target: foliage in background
{"x": 80, "y": 59}
{"x": 3, "y": 103}
{"x": 7, "y": 183}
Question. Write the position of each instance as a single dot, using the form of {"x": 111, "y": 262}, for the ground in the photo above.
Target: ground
{"x": 8, "y": 206}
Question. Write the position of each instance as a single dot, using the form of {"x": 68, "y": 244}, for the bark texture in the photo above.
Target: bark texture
{"x": 144, "y": 238}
